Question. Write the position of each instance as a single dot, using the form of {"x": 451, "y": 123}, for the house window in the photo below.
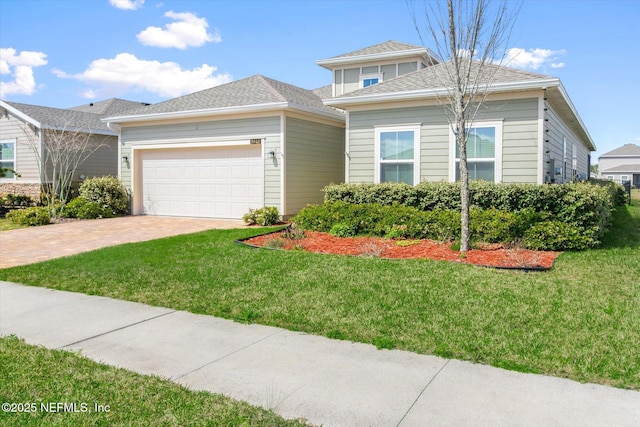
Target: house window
{"x": 8, "y": 156}
{"x": 397, "y": 154}
{"x": 610, "y": 177}
{"x": 624, "y": 178}
{"x": 484, "y": 152}
{"x": 367, "y": 80}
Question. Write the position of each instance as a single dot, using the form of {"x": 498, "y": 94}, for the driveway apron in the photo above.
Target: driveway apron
{"x": 35, "y": 244}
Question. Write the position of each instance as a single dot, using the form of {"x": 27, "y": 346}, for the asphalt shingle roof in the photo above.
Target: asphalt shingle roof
{"x": 82, "y": 117}
{"x": 427, "y": 78}
{"x": 385, "y": 47}
{"x": 109, "y": 107}
{"x": 625, "y": 150}
{"x": 254, "y": 90}
{"x": 623, "y": 168}
{"x": 60, "y": 118}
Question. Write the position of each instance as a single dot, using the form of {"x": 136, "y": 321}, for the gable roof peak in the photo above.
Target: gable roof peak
{"x": 625, "y": 150}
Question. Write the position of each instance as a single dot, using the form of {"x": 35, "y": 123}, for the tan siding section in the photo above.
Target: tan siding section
{"x": 519, "y": 117}
{"x": 213, "y": 131}
{"x": 315, "y": 159}
{"x": 26, "y": 161}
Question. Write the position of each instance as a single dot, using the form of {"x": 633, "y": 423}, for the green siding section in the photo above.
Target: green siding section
{"x": 315, "y": 159}
{"x": 215, "y": 131}
{"x": 519, "y": 147}
{"x": 557, "y": 131}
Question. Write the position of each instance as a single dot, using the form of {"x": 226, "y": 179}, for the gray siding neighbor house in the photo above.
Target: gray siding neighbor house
{"x": 21, "y": 132}
{"x": 621, "y": 164}
{"x": 260, "y": 142}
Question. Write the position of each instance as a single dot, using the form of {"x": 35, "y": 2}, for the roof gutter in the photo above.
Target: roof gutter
{"x": 434, "y": 93}
{"x": 254, "y": 108}
{"x": 327, "y": 63}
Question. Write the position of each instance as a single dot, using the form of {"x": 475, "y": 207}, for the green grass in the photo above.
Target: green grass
{"x": 5, "y": 224}
{"x": 580, "y": 320}
{"x": 35, "y": 375}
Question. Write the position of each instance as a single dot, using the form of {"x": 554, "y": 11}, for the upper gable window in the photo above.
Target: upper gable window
{"x": 367, "y": 80}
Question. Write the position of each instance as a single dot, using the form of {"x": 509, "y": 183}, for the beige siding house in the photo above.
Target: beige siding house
{"x": 621, "y": 164}
{"x": 23, "y": 127}
{"x": 528, "y": 131}
{"x": 219, "y": 152}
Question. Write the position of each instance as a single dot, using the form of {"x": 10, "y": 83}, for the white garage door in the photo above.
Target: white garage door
{"x": 214, "y": 182}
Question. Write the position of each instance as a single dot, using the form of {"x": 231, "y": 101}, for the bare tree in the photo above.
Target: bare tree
{"x": 59, "y": 152}
{"x": 470, "y": 37}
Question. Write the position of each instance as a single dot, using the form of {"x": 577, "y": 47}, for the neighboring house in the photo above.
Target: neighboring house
{"x": 21, "y": 130}
{"x": 528, "y": 131}
{"x": 257, "y": 141}
{"x": 222, "y": 151}
{"x": 621, "y": 164}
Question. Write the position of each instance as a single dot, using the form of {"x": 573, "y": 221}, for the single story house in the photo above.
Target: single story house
{"x": 258, "y": 141}
{"x": 621, "y": 164}
{"x": 23, "y": 127}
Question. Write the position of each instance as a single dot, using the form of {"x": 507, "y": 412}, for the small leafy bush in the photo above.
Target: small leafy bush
{"x": 107, "y": 192}
{"x": 554, "y": 235}
{"x": 342, "y": 229}
{"x": 33, "y": 216}
{"x": 85, "y": 209}
{"x": 14, "y": 201}
{"x": 267, "y": 215}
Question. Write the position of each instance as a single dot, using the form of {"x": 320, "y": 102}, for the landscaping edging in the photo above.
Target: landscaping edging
{"x": 428, "y": 250}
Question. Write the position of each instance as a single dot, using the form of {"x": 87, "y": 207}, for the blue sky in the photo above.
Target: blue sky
{"x": 66, "y": 53}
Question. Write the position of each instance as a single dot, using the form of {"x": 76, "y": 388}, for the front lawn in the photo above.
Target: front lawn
{"x": 6, "y": 224}
{"x": 36, "y": 380}
{"x": 581, "y": 320}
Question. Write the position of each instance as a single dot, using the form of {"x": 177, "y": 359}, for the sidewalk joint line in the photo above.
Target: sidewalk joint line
{"x": 421, "y": 392}
{"x": 117, "y": 329}
{"x": 225, "y": 356}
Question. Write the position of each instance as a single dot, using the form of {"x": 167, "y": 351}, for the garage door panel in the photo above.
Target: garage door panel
{"x": 220, "y": 182}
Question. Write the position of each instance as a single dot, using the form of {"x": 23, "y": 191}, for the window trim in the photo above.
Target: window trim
{"x": 624, "y": 178}
{"x": 13, "y": 141}
{"x": 364, "y": 77}
{"x": 497, "y": 159}
{"x": 415, "y": 128}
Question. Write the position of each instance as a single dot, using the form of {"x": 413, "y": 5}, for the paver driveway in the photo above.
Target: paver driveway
{"x": 35, "y": 244}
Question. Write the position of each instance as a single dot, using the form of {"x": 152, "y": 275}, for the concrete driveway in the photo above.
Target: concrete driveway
{"x": 36, "y": 244}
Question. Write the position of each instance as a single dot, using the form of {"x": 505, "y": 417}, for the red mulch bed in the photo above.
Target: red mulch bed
{"x": 489, "y": 255}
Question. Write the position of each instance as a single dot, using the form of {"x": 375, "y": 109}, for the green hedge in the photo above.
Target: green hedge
{"x": 372, "y": 219}
{"x": 584, "y": 206}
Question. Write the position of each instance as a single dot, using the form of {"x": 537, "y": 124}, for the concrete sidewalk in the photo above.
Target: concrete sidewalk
{"x": 328, "y": 382}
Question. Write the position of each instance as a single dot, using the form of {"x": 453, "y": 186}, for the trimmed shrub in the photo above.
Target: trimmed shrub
{"x": 107, "y": 192}
{"x": 33, "y": 216}
{"x": 372, "y": 219}
{"x": 584, "y": 205}
{"x": 85, "y": 209}
{"x": 556, "y": 235}
{"x": 267, "y": 215}
{"x": 14, "y": 201}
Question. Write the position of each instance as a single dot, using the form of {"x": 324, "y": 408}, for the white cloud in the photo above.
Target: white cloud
{"x": 534, "y": 59}
{"x": 188, "y": 30}
{"x": 127, "y": 4}
{"x": 125, "y": 72}
{"x": 20, "y": 67}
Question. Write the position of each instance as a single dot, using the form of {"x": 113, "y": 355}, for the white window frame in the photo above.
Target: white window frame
{"x": 364, "y": 77}
{"x": 624, "y": 178}
{"x": 13, "y": 141}
{"x": 415, "y": 128}
{"x": 610, "y": 177}
{"x": 497, "y": 159}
